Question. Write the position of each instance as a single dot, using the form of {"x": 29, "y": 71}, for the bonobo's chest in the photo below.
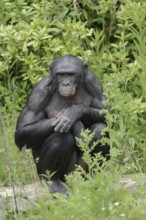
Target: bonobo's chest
{"x": 57, "y": 103}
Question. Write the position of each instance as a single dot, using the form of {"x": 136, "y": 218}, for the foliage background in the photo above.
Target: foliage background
{"x": 111, "y": 36}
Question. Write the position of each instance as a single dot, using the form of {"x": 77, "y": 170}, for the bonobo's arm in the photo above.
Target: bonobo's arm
{"x": 67, "y": 117}
{"x": 93, "y": 86}
{"x": 33, "y": 126}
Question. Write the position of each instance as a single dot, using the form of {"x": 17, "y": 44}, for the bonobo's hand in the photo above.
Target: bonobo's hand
{"x": 66, "y": 118}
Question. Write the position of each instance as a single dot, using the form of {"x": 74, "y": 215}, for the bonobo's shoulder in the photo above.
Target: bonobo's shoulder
{"x": 40, "y": 95}
{"x": 44, "y": 86}
{"x": 93, "y": 85}
{"x": 45, "y": 82}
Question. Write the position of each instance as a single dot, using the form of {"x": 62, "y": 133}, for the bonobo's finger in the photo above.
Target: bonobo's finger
{"x": 56, "y": 121}
{"x": 68, "y": 128}
{"x": 57, "y": 128}
{"x": 65, "y": 128}
{"x": 62, "y": 126}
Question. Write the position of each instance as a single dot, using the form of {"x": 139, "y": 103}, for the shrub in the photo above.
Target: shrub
{"x": 110, "y": 36}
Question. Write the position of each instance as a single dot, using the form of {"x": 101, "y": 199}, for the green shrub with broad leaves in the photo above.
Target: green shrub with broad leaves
{"x": 110, "y": 36}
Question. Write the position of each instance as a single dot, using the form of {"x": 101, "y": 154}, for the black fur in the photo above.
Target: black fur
{"x": 59, "y": 107}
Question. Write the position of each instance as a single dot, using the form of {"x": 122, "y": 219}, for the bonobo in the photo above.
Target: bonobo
{"x": 59, "y": 107}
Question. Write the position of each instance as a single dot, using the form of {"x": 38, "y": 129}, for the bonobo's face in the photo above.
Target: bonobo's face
{"x": 67, "y": 73}
{"x": 67, "y": 83}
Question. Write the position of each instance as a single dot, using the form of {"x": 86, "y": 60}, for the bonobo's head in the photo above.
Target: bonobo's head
{"x": 67, "y": 74}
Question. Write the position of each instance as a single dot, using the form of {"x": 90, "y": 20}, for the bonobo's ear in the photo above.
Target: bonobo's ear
{"x": 85, "y": 66}
{"x": 50, "y": 65}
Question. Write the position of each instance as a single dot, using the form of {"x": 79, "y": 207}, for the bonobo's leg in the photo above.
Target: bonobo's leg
{"x": 77, "y": 155}
{"x": 77, "y": 128}
{"x": 104, "y": 149}
{"x": 55, "y": 154}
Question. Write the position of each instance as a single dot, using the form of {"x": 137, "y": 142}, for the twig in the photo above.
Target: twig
{"x": 8, "y": 160}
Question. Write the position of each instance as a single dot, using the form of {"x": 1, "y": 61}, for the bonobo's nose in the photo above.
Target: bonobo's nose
{"x": 66, "y": 83}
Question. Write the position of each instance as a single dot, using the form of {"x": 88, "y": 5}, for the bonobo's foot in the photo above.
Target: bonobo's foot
{"x": 57, "y": 187}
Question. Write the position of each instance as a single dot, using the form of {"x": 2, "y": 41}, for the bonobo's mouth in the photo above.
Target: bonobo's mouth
{"x": 68, "y": 93}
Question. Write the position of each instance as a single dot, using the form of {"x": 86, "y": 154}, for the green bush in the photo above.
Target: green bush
{"x": 110, "y": 36}
{"x": 96, "y": 195}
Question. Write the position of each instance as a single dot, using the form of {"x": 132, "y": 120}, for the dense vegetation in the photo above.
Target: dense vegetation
{"x": 111, "y": 36}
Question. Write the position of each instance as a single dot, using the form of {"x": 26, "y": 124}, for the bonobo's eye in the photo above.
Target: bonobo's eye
{"x": 66, "y": 74}
{"x": 60, "y": 74}
{"x": 70, "y": 74}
